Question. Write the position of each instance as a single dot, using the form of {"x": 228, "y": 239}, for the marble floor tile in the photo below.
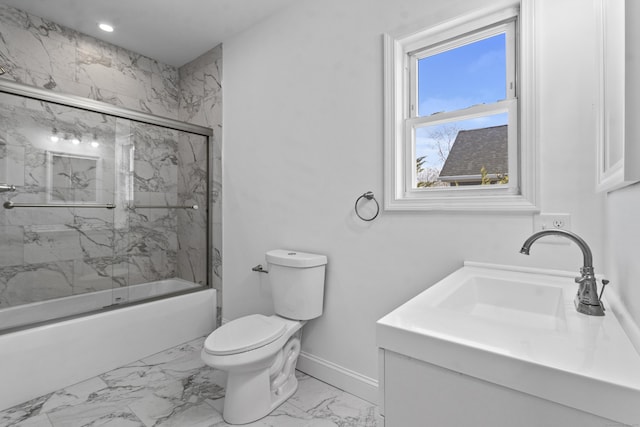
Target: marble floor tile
{"x": 324, "y": 402}
{"x": 25, "y": 413}
{"x": 175, "y": 388}
{"x": 36, "y": 421}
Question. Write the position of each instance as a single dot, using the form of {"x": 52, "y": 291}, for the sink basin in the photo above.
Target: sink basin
{"x": 518, "y": 328}
{"x": 521, "y": 303}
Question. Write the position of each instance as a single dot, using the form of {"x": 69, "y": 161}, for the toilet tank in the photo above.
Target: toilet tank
{"x": 297, "y": 283}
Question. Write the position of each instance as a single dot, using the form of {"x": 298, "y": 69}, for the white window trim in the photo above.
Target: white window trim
{"x": 398, "y": 170}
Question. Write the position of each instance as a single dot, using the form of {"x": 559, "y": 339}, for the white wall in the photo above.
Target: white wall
{"x": 623, "y": 206}
{"x": 303, "y": 139}
{"x": 623, "y": 240}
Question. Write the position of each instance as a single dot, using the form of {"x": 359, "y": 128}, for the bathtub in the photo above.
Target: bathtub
{"x": 42, "y": 311}
{"x": 46, "y": 358}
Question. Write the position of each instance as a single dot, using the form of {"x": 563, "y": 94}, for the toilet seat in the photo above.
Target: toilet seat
{"x": 244, "y": 334}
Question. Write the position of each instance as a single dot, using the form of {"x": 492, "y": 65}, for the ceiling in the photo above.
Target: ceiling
{"x": 171, "y": 31}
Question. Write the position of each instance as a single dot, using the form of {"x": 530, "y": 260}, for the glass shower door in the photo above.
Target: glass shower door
{"x": 165, "y": 238}
{"x": 56, "y": 228}
{"x": 97, "y": 209}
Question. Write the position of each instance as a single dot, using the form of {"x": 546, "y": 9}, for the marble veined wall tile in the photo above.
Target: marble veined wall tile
{"x": 192, "y": 164}
{"x": 94, "y": 274}
{"x": 36, "y": 44}
{"x": 155, "y": 198}
{"x": 42, "y": 53}
{"x": 155, "y": 159}
{"x": 192, "y": 75}
{"x": 192, "y": 243}
{"x": 94, "y": 243}
{"x": 191, "y": 108}
{"x": 213, "y": 72}
{"x": 213, "y": 93}
{"x": 73, "y": 179}
{"x": 34, "y": 216}
{"x": 192, "y": 224}
{"x": 36, "y": 282}
{"x": 216, "y": 256}
{"x": 45, "y": 244}
{"x": 144, "y": 236}
{"x": 163, "y": 96}
{"x": 35, "y": 170}
{"x": 156, "y": 94}
{"x": 95, "y": 68}
{"x": 192, "y": 89}
{"x": 54, "y": 83}
{"x": 151, "y": 267}
{"x": 191, "y": 265}
{"x": 200, "y": 103}
{"x": 12, "y": 164}
{"x": 11, "y": 245}
{"x": 43, "y": 27}
{"x": 216, "y": 202}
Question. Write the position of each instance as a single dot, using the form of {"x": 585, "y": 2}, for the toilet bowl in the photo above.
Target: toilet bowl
{"x": 258, "y": 352}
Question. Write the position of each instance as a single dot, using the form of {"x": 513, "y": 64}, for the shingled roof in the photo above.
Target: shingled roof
{"x": 474, "y": 149}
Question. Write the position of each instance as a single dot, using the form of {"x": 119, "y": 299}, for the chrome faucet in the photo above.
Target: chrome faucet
{"x": 587, "y": 300}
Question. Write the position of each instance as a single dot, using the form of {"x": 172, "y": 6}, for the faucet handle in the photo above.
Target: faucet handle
{"x": 579, "y": 279}
{"x": 605, "y": 282}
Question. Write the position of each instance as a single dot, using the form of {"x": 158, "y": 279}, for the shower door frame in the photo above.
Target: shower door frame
{"x": 39, "y": 94}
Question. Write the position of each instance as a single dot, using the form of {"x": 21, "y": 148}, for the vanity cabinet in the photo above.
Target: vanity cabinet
{"x": 501, "y": 346}
{"x": 618, "y": 133}
{"x": 420, "y": 394}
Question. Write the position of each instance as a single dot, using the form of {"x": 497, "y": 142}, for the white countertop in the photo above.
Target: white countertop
{"x": 585, "y": 362}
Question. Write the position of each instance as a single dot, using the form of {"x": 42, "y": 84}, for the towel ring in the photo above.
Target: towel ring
{"x": 369, "y": 196}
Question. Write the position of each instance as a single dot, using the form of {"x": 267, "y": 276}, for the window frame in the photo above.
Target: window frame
{"x": 401, "y": 120}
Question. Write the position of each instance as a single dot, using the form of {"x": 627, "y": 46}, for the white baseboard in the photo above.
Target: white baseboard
{"x": 338, "y": 376}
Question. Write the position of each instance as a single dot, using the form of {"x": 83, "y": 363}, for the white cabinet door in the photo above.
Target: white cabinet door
{"x": 619, "y": 93}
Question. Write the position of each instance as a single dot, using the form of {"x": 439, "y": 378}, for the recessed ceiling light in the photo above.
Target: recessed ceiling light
{"x": 105, "y": 27}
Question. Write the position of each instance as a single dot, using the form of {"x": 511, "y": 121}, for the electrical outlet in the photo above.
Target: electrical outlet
{"x": 545, "y": 221}
{"x": 561, "y": 221}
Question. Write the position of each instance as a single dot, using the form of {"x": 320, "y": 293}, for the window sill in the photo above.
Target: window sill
{"x": 506, "y": 204}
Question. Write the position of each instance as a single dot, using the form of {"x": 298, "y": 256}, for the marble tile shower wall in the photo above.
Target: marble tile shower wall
{"x": 80, "y": 250}
{"x": 201, "y": 104}
{"x": 147, "y": 244}
{"x": 42, "y": 53}
{"x": 54, "y": 252}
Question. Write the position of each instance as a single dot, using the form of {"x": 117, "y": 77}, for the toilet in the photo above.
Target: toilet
{"x": 259, "y": 353}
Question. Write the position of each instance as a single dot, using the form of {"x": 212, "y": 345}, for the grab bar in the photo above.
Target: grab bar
{"x": 165, "y": 207}
{"x": 11, "y": 205}
{"x": 7, "y": 187}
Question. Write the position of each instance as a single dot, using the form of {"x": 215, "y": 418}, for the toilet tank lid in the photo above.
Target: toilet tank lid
{"x": 290, "y": 258}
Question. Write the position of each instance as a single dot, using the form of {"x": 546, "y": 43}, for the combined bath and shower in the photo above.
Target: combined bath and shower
{"x": 587, "y": 300}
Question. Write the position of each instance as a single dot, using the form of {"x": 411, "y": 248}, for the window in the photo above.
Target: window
{"x": 459, "y": 131}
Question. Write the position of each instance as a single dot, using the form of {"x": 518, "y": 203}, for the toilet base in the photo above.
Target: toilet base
{"x": 254, "y": 395}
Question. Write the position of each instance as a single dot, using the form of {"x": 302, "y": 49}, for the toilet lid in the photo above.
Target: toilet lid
{"x": 244, "y": 334}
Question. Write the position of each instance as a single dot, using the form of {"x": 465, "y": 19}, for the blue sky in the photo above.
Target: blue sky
{"x": 459, "y": 78}
{"x": 462, "y": 77}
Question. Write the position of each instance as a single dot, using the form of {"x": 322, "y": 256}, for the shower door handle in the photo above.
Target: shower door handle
{"x": 7, "y": 187}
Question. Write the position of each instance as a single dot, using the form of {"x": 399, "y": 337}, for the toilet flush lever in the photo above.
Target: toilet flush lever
{"x": 7, "y": 187}
{"x": 259, "y": 269}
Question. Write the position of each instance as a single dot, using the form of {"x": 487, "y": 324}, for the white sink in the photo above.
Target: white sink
{"x": 518, "y": 328}
{"x": 522, "y": 303}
